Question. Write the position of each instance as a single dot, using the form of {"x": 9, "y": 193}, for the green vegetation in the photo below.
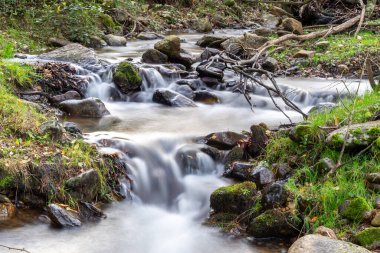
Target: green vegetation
{"x": 368, "y": 237}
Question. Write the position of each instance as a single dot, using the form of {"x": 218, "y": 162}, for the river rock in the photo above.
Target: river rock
{"x": 270, "y": 64}
{"x": 185, "y": 90}
{"x": 70, "y": 95}
{"x": 209, "y": 52}
{"x": 275, "y": 195}
{"x": 85, "y": 186}
{"x": 223, "y": 140}
{"x": 235, "y": 198}
{"x": 292, "y": 25}
{"x": 75, "y": 53}
{"x": 355, "y": 209}
{"x": 270, "y": 21}
{"x": 239, "y": 170}
{"x": 61, "y": 217}
{"x": 97, "y": 42}
{"x": 88, "y": 108}
{"x": 187, "y": 157}
{"x": 206, "y": 97}
{"x": 236, "y": 154}
{"x": 127, "y": 78}
{"x": 154, "y": 56}
{"x": 72, "y": 128}
{"x": 89, "y": 212}
{"x": 323, "y": 244}
{"x": 204, "y": 25}
{"x": 115, "y": 41}
{"x": 282, "y": 170}
{"x": 376, "y": 220}
{"x": 274, "y": 223}
{"x": 170, "y": 45}
{"x": 304, "y": 54}
{"x": 194, "y": 84}
{"x": 210, "y": 81}
{"x": 258, "y": 141}
{"x": 369, "y": 237}
{"x": 324, "y": 231}
{"x": 263, "y": 31}
{"x": 212, "y": 41}
{"x": 262, "y": 176}
{"x": 52, "y": 128}
{"x": 360, "y": 135}
{"x": 213, "y": 70}
{"x": 58, "y": 42}
{"x": 236, "y": 45}
{"x": 148, "y": 36}
{"x": 172, "y": 98}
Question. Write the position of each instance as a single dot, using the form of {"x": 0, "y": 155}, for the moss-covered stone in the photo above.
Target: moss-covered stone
{"x": 107, "y": 21}
{"x": 223, "y": 220}
{"x": 171, "y": 46}
{"x": 274, "y": 223}
{"x": 354, "y": 209}
{"x": 127, "y": 78}
{"x": 304, "y": 134}
{"x": 369, "y": 237}
{"x": 235, "y": 198}
{"x": 236, "y": 154}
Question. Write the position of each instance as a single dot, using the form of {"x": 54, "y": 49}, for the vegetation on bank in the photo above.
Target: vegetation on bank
{"x": 36, "y": 161}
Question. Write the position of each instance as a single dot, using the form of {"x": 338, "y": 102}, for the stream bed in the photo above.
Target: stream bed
{"x": 170, "y": 199}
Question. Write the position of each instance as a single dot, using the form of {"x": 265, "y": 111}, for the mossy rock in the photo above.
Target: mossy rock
{"x": 127, "y": 78}
{"x": 171, "y": 46}
{"x": 236, "y": 154}
{"x": 236, "y": 198}
{"x": 369, "y": 237}
{"x": 354, "y": 209}
{"x": 223, "y": 220}
{"x": 304, "y": 134}
{"x": 107, "y": 22}
{"x": 275, "y": 223}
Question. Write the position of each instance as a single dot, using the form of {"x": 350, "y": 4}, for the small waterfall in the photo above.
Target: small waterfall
{"x": 152, "y": 79}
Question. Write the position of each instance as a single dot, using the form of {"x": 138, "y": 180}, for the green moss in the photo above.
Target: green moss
{"x": 374, "y": 132}
{"x": 127, "y": 77}
{"x": 357, "y": 132}
{"x": 225, "y": 221}
{"x": 368, "y": 237}
{"x": 235, "y": 198}
{"x": 356, "y": 209}
{"x": 107, "y": 21}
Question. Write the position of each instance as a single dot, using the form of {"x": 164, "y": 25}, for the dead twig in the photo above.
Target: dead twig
{"x": 12, "y": 248}
{"x": 362, "y": 16}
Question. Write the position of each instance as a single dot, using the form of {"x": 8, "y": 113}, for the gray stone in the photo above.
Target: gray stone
{"x": 236, "y": 45}
{"x": 292, "y": 25}
{"x": 61, "y": 217}
{"x": 324, "y": 231}
{"x": 275, "y": 195}
{"x": 212, "y": 41}
{"x": 70, "y": 95}
{"x": 148, "y": 36}
{"x": 323, "y": 244}
{"x": 304, "y": 54}
{"x": 270, "y": 64}
{"x": 88, "y": 108}
{"x": 52, "y": 128}
{"x": 172, "y": 98}
{"x": 97, "y": 42}
{"x": 154, "y": 56}
{"x": 209, "y": 52}
{"x": 223, "y": 140}
{"x": 75, "y": 53}
{"x": 262, "y": 176}
{"x": 115, "y": 41}
{"x": 58, "y": 42}
{"x": 185, "y": 90}
{"x": 263, "y": 31}
{"x": 239, "y": 170}
{"x": 89, "y": 212}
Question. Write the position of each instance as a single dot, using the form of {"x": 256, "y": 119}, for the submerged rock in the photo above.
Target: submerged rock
{"x": 235, "y": 198}
{"x": 223, "y": 140}
{"x": 206, "y": 97}
{"x": 75, "y": 53}
{"x": 88, "y": 108}
{"x": 274, "y": 223}
{"x": 172, "y": 98}
{"x": 127, "y": 78}
{"x": 85, "y": 186}
{"x": 61, "y": 217}
{"x": 323, "y": 244}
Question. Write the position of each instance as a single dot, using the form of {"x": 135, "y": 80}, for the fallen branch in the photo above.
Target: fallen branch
{"x": 12, "y": 248}
{"x": 362, "y": 16}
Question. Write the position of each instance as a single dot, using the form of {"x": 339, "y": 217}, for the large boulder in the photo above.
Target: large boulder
{"x": 61, "y": 217}
{"x": 75, "y": 53}
{"x": 88, "y": 108}
{"x": 115, "y": 41}
{"x": 323, "y": 244}
{"x": 223, "y": 140}
{"x": 292, "y": 25}
{"x": 236, "y": 198}
{"x": 127, "y": 78}
{"x": 154, "y": 56}
{"x": 359, "y": 136}
{"x": 212, "y": 41}
{"x": 172, "y": 98}
{"x": 85, "y": 186}
{"x": 275, "y": 223}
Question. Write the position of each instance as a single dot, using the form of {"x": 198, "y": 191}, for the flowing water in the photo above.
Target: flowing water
{"x": 170, "y": 198}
